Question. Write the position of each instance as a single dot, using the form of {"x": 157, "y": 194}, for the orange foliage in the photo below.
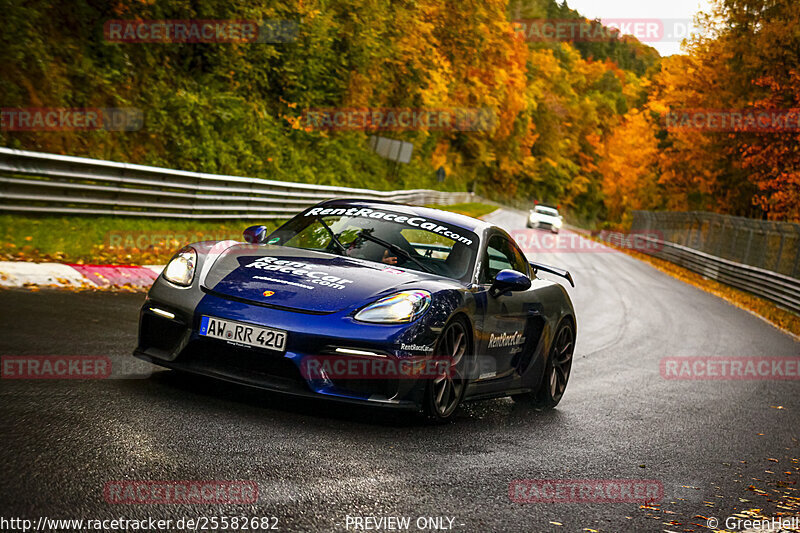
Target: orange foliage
{"x": 748, "y": 59}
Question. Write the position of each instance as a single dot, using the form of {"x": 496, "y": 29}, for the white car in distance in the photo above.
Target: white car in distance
{"x": 543, "y": 217}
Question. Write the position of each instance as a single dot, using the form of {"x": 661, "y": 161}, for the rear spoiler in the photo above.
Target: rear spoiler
{"x": 553, "y": 270}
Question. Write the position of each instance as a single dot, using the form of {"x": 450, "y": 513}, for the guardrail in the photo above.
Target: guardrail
{"x": 778, "y": 288}
{"x": 36, "y": 182}
{"x": 768, "y": 245}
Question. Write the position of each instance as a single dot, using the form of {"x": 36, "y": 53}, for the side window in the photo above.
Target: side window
{"x": 501, "y": 255}
{"x": 520, "y": 261}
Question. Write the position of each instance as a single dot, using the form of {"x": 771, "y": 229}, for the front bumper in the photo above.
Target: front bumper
{"x": 272, "y": 383}
{"x": 538, "y": 224}
{"x": 175, "y": 343}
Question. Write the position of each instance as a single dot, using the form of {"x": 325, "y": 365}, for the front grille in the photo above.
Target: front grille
{"x": 248, "y": 364}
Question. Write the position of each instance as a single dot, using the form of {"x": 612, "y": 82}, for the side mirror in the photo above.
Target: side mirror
{"x": 509, "y": 281}
{"x": 255, "y": 234}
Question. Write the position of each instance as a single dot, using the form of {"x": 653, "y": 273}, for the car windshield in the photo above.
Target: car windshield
{"x": 385, "y": 237}
{"x": 549, "y": 211}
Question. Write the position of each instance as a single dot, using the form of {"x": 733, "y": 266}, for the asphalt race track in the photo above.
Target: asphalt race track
{"x": 317, "y": 463}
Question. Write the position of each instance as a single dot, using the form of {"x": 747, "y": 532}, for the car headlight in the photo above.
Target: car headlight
{"x": 557, "y": 223}
{"x": 402, "y": 307}
{"x": 180, "y": 270}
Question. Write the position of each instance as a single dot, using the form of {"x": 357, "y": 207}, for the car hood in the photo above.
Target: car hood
{"x": 304, "y": 280}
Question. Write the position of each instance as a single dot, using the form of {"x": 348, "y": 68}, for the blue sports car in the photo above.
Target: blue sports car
{"x": 368, "y": 302}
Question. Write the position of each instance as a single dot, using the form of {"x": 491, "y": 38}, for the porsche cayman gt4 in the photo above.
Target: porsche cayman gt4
{"x": 367, "y": 302}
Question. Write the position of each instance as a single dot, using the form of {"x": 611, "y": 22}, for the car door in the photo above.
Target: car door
{"x": 507, "y": 317}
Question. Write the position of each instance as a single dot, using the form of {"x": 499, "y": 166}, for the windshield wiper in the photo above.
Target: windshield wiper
{"x": 334, "y": 239}
{"x": 393, "y": 247}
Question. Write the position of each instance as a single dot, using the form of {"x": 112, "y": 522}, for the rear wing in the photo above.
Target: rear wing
{"x": 553, "y": 270}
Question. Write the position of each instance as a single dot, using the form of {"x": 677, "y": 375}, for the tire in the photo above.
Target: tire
{"x": 443, "y": 394}
{"x": 557, "y": 370}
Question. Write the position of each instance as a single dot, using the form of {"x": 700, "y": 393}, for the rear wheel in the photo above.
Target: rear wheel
{"x": 557, "y": 370}
{"x": 445, "y": 392}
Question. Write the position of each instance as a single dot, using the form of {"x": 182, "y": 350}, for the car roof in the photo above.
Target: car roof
{"x": 456, "y": 219}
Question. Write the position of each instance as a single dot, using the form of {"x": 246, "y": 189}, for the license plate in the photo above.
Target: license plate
{"x": 241, "y": 333}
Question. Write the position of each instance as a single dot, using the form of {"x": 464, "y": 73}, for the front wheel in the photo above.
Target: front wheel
{"x": 445, "y": 392}
{"x": 557, "y": 370}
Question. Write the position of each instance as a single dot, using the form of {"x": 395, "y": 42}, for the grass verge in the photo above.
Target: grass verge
{"x": 113, "y": 240}
{"x": 106, "y": 239}
{"x": 471, "y": 209}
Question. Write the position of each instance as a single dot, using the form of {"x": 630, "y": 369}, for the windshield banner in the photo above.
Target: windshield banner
{"x": 409, "y": 220}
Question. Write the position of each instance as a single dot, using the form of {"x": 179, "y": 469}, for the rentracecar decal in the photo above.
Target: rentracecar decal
{"x": 312, "y": 273}
{"x": 415, "y": 222}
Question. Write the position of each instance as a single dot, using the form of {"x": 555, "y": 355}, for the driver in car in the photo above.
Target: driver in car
{"x": 372, "y": 251}
{"x": 389, "y": 258}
